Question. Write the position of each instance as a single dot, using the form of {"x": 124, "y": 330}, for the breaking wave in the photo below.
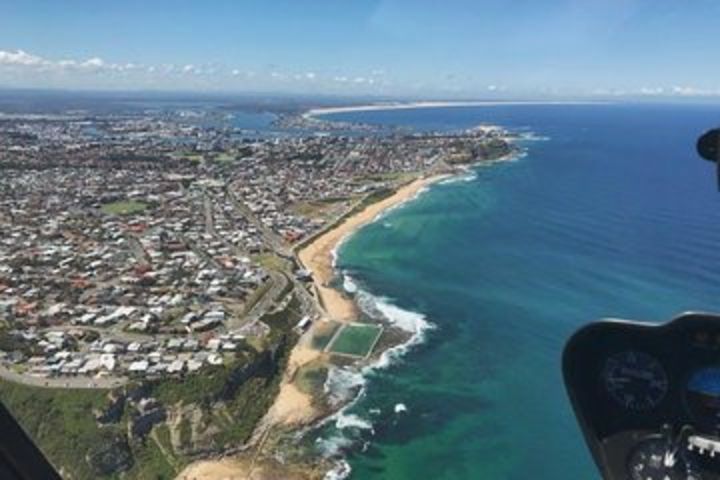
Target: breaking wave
{"x": 468, "y": 177}
{"x": 340, "y": 471}
{"x": 350, "y": 420}
{"x": 344, "y": 386}
{"x": 349, "y": 284}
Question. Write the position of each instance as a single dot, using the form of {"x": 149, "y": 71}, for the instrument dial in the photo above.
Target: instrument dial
{"x": 635, "y": 380}
{"x": 654, "y": 459}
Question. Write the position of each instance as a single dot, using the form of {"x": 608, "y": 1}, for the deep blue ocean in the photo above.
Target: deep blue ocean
{"x": 611, "y": 214}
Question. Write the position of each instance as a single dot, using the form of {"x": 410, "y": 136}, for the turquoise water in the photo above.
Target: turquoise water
{"x": 612, "y": 215}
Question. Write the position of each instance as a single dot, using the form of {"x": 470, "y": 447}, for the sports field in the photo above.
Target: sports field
{"x": 356, "y": 339}
{"x": 124, "y": 207}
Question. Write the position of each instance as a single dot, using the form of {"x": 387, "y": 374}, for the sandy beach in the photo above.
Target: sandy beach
{"x": 231, "y": 469}
{"x": 216, "y": 470}
{"x": 292, "y": 406}
{"x": 318, "y": 255}
{"x": 413, "y": 105}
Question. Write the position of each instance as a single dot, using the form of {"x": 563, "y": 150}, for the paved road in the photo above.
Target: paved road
{"x": 269, "y": 299}
{"x": 62, "y": 382}
{"x": 208, "y": 211}
{"x": 271, "y": 238}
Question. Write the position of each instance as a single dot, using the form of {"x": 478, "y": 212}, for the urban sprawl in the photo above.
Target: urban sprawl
{"x": 153, "y": 244}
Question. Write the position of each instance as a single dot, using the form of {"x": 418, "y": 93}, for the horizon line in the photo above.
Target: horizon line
{"x": 420, "y": 100}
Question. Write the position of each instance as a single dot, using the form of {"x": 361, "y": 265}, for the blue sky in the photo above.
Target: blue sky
{"x": 422, "y": 48}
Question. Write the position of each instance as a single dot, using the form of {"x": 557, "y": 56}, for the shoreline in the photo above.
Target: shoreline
{"x": 319, "y": 255}
{"x": 315, "y": 112}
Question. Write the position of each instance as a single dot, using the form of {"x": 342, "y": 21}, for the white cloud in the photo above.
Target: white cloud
{"x": 674, "y": 91}
{"x": 684, "y": 90}
{"x": 94, "y": 62}
{"x": 652, "y": 91}
{"x": 687, "y": 91}
{"x": 21, "y": 67}
{"x": 20, "y": 58}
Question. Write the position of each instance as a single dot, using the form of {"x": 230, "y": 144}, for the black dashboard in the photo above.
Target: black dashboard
{"x": 647, "y": 397}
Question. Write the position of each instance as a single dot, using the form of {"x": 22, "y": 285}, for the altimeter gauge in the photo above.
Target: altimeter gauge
{"x": 635, "y": 380}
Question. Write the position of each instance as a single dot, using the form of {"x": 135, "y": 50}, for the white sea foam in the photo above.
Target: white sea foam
{"x": 382, "y": 309}
{"x": 333, "y": 446}
{"x": 349, "y": 284}
{"x": 350, "y": 420}
{"x": 343, "y": 384}
{"x": 468, "y": 177}
{"x": 346, "y": 385}
{"x": 340, "y": 471}
{"x": 409, "y": 321}
{"x": 339, "y": 384}
{"x": 336, "y": 249}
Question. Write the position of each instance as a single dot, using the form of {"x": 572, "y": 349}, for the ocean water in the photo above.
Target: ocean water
{"x": 611, "y": 214}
